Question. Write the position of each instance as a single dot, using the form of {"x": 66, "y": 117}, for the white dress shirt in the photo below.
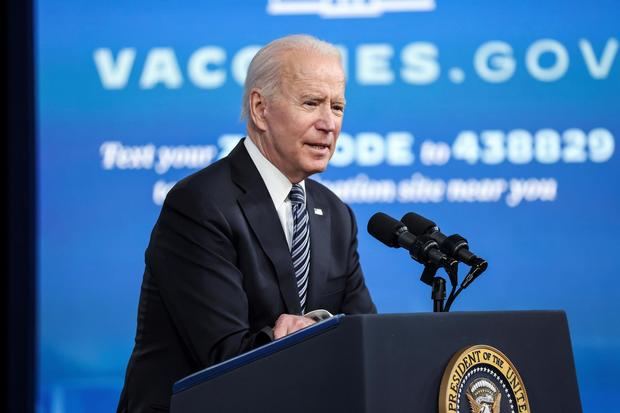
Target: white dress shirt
{"x": 278, "y": 186}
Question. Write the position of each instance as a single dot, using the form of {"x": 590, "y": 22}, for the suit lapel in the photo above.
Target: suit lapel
{"x": 262, "y": 217}
{"x": 320, "y": 241}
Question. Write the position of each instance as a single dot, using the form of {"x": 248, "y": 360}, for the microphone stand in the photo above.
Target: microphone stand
{"x": 438, "y": 287}
{"x": 438, "y": 294}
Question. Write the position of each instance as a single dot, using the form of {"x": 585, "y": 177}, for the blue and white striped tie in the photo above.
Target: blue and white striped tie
{"x": 300, "y": 247}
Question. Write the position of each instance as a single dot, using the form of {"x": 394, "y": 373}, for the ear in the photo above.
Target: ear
{"x": 257, "y": 109}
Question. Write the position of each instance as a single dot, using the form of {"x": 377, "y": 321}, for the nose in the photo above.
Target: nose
{"x": 327, "y": 121}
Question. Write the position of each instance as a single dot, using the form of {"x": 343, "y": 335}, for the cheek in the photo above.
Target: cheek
{"x": 293, "y": 128}
{"x": 338, "y": 126}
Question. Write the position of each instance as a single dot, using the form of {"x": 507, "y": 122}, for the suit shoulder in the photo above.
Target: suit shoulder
{"x": 326, "y": 195}
{"x": 209, "y": 176}
{"x": 204, "y": 186}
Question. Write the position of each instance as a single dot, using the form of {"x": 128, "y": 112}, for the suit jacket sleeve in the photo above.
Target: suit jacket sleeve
{"x": 357, "y": 298}
{"x": 192, "y": 257}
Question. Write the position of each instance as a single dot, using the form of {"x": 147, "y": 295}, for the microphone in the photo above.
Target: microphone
{"x": 395, "y": 234}
{"x": 454, "y": 246}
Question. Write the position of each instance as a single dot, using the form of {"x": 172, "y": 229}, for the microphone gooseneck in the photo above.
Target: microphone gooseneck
{"x": 427, "y": 245}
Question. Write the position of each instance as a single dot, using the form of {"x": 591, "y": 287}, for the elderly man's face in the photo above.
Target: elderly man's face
{"x": 303, "y": 120}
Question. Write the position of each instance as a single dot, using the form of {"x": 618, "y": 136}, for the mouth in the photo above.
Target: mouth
{"x": 319, "y": 147}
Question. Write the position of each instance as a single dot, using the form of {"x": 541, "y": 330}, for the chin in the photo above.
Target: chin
{"x": 318, "y": 168}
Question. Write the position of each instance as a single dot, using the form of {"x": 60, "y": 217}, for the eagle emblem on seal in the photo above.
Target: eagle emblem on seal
{"x": 484, "y": 397}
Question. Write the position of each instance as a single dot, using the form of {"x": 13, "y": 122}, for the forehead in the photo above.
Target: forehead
{"x": 313, "y": 71}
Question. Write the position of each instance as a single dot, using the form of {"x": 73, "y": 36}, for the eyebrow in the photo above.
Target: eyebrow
{"x": 320, "y": 97}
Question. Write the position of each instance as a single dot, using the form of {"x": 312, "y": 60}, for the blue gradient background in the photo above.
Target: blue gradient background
{"x": 94, "y": 224}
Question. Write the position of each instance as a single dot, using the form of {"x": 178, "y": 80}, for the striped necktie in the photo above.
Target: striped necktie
{"x": 300, "y": 247}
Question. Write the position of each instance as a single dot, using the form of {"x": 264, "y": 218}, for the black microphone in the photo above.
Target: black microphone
{"x": 454, "y": 246}
{"x": 395, "y": 234}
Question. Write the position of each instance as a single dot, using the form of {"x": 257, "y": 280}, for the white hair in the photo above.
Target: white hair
{"x": 264, "y": 71}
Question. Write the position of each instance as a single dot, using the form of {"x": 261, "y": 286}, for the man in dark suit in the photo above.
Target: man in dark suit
{"x": 244, "y": 248}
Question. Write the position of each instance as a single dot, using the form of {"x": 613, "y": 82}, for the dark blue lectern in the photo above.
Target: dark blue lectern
{"x": 385, "y": 363}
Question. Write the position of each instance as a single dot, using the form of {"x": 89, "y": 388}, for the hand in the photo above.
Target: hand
{"x": 288, "y": 323}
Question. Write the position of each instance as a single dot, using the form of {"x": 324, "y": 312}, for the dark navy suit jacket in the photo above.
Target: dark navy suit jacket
{"x": 219, "y": 273}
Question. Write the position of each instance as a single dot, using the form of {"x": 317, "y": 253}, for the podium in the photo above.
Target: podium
{"x": 385, "y": 363}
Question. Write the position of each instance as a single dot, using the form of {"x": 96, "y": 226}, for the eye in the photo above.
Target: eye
{"x": 311, "y": 103}
{"x": 338, "y": 108}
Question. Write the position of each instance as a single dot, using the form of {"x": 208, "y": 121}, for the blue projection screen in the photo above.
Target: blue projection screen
{"x": 498, "y": 120}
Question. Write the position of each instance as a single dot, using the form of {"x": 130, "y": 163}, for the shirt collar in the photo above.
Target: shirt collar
{"x": 276, "y": 182}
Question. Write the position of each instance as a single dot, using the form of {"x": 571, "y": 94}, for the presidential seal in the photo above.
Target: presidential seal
{"x": 481, "y": 379}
